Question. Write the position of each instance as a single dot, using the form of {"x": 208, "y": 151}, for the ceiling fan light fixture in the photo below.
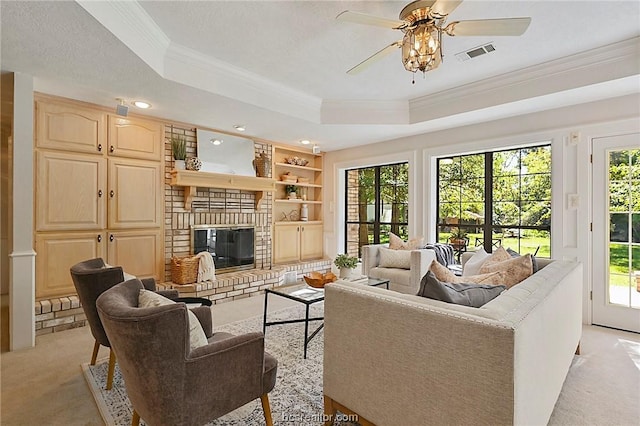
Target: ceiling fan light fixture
{"x": 421, "y": 50}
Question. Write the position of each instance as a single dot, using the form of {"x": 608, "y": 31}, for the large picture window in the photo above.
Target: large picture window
{"x": 377, "y": 200}
{"x": 496, "y": 198}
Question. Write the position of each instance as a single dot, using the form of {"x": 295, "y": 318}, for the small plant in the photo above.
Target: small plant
{"x": 458, "y": 234}
{"x": 179, "y": 147}
{"x": 346, "y": 261}
{"x": 291, "y": 189}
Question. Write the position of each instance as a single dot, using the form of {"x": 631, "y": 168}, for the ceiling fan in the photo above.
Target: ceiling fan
{"x": 423, "y": 23}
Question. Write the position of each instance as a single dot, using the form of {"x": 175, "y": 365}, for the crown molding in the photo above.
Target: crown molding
{"x": 133, "y": 26}
{"x": 195, "y": 69}
{"x": 607, "y": 63}
{"x": 364, "y": 112}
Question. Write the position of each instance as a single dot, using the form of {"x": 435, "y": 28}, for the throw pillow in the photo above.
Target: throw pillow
{"x": 461, "y": 294}
{"x": 442, "y": 273}
{"x": 126, "y": 276}
{"x": 400, "y": 259}
{"x": 515, "y": 269}
{"x": 397, "y": 243}
{"x": 149, "y": 299}
{"x": 534, "y": 262}
{"x": 473, "y": 265}
{"x": 499, "y": 255}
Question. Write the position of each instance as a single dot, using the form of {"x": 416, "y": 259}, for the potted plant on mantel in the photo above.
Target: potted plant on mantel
{"x": 346, "y": 264}
{"x": 179, "y": 149}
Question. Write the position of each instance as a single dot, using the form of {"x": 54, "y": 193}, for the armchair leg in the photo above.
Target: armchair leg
{"x": 329, "y": 411}
{"x": 578, "y": 349}
{"x": 112, "y": 366}
{"x": 96, "y": 348}
{"x": 267, "y": 409}
{"x": 135, "y": 419}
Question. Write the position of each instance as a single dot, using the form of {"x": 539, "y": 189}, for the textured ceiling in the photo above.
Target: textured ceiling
{"x": 300, "y": 46}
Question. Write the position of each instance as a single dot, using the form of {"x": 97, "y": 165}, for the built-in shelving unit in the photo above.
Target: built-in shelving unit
{"x": 294, "y": 239}
{"x": 191, "y": 180}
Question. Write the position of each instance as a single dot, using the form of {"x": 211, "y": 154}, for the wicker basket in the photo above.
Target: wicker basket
{"x": 184, "y": 270}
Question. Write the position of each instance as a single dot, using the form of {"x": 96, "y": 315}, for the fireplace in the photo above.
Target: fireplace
{"x": 232, "y": 246}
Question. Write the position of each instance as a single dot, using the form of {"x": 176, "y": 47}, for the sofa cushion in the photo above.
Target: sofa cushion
{"x": 149, "y": 299}
{"x": 397, "y": 243}
{"x": 534, "y": 262}
{"x": 515, "y": 269}
{"x": 473, "y": 265}
{"x": 400, "y": 259}
{"x": 442, "y": 273}
{"x": 473, "y": 295}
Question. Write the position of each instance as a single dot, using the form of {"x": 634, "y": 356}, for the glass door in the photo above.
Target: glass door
{"x": 616, "y": 232}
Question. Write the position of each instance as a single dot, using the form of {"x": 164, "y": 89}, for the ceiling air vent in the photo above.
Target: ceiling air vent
{"x": 475, "y": 52}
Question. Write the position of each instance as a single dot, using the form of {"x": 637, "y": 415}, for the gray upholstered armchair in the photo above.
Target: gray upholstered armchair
{"x": 403, "y": 280}
{"x": 91, "y": 278}
{"x": 167, "y": 382}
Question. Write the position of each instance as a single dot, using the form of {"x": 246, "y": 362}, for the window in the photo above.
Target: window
{"x": 376, "y": 204}
{"x": 497, "y": 198}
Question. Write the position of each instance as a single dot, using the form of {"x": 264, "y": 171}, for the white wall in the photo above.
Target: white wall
{"x": 571, "y": 169}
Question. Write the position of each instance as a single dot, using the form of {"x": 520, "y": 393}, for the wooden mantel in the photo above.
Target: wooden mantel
{"x": 191, "y": 180}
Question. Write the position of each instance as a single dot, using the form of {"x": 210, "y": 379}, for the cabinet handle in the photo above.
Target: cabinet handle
{"x": 99, "y": 192}
{"x": 298, "y": 228}
{"x": 99, "y": 238}
{"x": 303, "y": 229}
{"x": 111, "y": 237}
{"x": 111, "y": 149}
{"x": 100, "y": 147}
{"x": 111, "y": 193}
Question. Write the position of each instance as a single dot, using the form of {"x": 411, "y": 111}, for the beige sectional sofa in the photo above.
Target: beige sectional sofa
{"x": 401, "y": 280}
{"x": 396, "y": 358}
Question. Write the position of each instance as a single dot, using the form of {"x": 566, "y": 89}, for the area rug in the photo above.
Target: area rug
{"x": 296, "y": 398}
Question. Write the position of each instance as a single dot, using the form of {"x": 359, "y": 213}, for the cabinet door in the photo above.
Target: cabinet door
{"x": 135, "y": 194}
{"x": 286, "y": 243}
{"x": 140, "y": 253}
{"x": 57, "y": 253}
{"x": 70, "y": 191}
{"x": 135, "y": 138}
{"x": 311, "y": 246}
{"x": 70, "y": 128}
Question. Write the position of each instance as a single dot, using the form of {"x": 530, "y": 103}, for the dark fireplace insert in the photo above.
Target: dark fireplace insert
{"x": 232, "y": 246}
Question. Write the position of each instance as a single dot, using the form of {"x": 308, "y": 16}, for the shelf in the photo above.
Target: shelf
{"x": 293, "y": 166}
{"x": 298, "y": 222}
{"x": 192, "y": 179}
{"x": 309, "y": 185}
{"x": 290, "y": 148}
{"x": 298, "y": 201}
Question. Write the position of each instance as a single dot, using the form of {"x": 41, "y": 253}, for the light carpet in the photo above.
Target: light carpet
{"x": 602, "y": 387}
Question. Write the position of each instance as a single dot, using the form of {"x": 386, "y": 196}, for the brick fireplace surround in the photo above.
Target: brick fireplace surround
{"x": 209, "y": 206}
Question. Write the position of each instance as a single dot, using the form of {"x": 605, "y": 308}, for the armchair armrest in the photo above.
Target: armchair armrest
{"x": 370, "y": 258}
{"x": 203, "y": 313}
{"x": 169, "y": 294}
{"x": 420, "y": 261}
{"x": 149, "y": 283}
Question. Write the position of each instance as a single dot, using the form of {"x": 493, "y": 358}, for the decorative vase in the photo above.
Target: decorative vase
{"x": 193, "y": 163}
{"x": 179, "y": 164}
{"x": 261, "y": 164}
{"x": 293, "y": 196}
{"x": 304, "y": 213}
{"x": 345, "y": 272}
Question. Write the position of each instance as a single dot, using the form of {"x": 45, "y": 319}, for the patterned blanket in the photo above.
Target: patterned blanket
{"x": 444, "y": 253}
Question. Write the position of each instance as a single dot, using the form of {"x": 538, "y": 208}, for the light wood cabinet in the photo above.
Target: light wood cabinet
{"x": 70, "y": 128}
{"x": 135, "y": 194}
{"x": 286, "y": 243}
{"x": 296, "y": 240}
{"x": 135, "y": 138}
{"x": 57, "y": 252}
{"x": 311, "y": 245}
{"x": 138, "y": 252}
{"x": 70, "y": 191}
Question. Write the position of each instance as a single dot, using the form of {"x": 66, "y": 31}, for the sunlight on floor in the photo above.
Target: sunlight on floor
{"x": 633, "y": 349}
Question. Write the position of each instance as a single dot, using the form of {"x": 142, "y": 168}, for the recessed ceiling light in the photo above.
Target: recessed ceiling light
{"x": 142, "y": 104}
{"x": 216, "y": 141}
{"x": 239, "y": 127}
{"x": 305, "y": 142}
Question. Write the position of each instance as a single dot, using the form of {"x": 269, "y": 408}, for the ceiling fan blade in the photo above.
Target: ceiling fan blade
{"x": 374, "y": 58}
{"x": 442, "y": 8}
{"x": 489, "y": 27}
{"x": 363, "y": 18}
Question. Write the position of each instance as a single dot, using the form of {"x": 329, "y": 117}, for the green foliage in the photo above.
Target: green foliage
{"x": 291, "y": 188}
{"x": 458, "y": 234}
{"x": 346, "y": 261}
{"x": 179, "y": 147}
